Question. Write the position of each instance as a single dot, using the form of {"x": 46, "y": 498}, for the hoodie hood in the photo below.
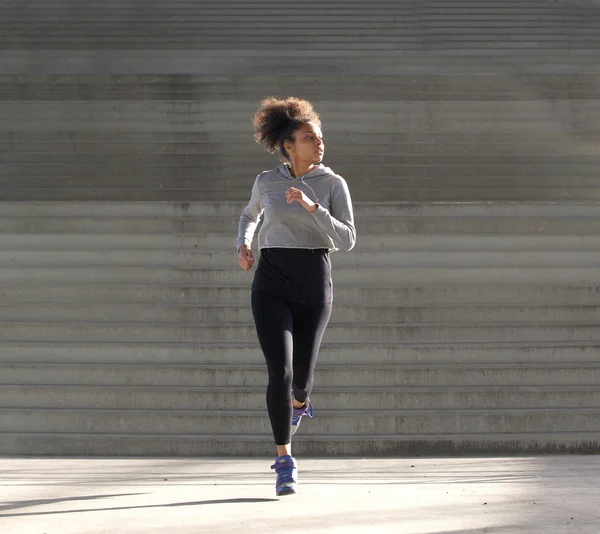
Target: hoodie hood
{"x": 321, "y": 170}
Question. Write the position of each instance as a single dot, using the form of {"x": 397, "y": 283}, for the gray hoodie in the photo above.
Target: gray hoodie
{"x": 286, "y": 225}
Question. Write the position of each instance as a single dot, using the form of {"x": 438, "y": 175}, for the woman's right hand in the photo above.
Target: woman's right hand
{"x": 245, "y": 258}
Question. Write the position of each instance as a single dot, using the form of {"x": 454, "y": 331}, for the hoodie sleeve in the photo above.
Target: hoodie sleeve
{"x": 339, "y": 224}
{"x": 250, "y": 217}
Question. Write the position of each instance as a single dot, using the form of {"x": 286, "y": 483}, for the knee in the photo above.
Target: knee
{"x": 281, "y": 376}
{"x": 302, "y": 384}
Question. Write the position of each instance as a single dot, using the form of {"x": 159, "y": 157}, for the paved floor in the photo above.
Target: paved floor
{"x": 543, "y": 494}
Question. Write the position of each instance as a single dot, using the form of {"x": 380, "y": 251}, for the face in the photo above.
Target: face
{"x": 308, "y": 146}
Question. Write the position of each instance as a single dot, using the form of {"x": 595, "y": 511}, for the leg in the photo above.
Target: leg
{"x": 310, "y": 323}
{"x": 273, "y": 319}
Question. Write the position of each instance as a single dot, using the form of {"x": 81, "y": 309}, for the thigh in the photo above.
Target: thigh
{"x": 310, "y": 323}
{"x": 274, "y": 324}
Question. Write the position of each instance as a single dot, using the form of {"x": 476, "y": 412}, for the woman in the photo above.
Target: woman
{"x": 307, "y": 214}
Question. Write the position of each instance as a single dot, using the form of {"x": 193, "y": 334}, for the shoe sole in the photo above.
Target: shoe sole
{"x": 286, "y": 491}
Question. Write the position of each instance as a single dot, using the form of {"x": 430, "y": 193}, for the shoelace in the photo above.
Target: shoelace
{"x": 287, "y": 467}
{"x": 305, "y": 410}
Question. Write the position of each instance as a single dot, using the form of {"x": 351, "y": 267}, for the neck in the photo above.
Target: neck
{"x": 299, "y": 169}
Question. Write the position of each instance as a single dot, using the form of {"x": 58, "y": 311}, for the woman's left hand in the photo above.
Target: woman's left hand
{"x": 295, "y": 195}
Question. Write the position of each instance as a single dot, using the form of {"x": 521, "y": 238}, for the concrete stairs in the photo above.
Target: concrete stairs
{"x": 264, "y": 24}
{"x": 470, "y": 327}
{"x": 496, "y": 149}
{"x": 466, "y": 319}
{"x": 454, "y": 100}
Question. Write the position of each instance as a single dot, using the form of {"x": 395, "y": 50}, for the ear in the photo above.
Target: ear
{"x": 288, "y": 147}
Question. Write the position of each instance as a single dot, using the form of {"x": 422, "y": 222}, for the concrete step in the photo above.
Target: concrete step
{"x": 503, "y": 162}
{"x": 367, "y": 225}
{"x": 432, "y": 176}
{"x": 421, "y": 91}
{"x": 435, "y": 295}
{"x": 572, "y": 128}
{"x": 69, "y": 192}
{"x": 147, "y": 332}
{"x": 406, "y": 398}
{"x": 77, "y": 139}
{"x": 224, "y": 260}
{"x": 464, "y": 80}
{"x": 340, "y": 375}
{"x": 252, "y": 7}
{"x": 374, "y": 243}
{"x": 436, "y": 149}
{"x": 176, "y": 119}
{"x": 413, "y": 183}
{"x": 209, "y": 19}
{"x": 482, "y": 43}
{"x": 397, "y": 109}
{"x": 89, "y": 444}
{"x": 429, "y": 30}
{"x": 369, "y": 311}
{"x": 390, "y": 22}
{"x": 385, "y": 175}
{"x": 177, "y": 42}
{"x": 236, "y": 4}
{"x": 447, "y": 8}
{"x": 190, "y": 92}
{"x": 365, "y": 277}
{"x": 319, "y": 62}
{"x": 564, "y": 211}
{"x": 345, "y": 422}
{"x": 239, "y": 353}
{"x": 452, "y": 188}
{"x": 426, "y": 190}
{"x": 385, "y": 112}
{"x": 183, "y": 175}
{"x": 368, "y": 150}
{"x": 480, "y": 211}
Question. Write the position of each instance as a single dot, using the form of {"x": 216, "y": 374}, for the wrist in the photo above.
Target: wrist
{"x": 313, "y": 208}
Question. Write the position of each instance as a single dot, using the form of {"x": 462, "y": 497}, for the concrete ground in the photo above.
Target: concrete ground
{"x": 541, "y": 494}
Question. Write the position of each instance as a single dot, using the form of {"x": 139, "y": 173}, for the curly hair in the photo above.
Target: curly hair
{"x": 277, "y": 119}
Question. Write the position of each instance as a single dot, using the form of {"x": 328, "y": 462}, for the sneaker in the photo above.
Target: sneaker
{"x": 298, "y": 413}
{"x": 287, "y": 476}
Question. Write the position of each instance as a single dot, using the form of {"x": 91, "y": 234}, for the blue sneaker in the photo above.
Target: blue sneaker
{"x": 298, "y": 413}
{"x": 287, "y": 476}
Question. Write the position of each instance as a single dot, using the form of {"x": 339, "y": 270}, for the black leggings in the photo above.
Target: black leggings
{"x": 290, "y": 335}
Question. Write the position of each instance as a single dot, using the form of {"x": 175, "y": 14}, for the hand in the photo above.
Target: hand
{"x": 295, "y": 195}
{"x": 245, "y": 258}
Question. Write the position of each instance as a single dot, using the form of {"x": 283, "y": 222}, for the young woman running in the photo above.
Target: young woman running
{"x": 307, "y": 214}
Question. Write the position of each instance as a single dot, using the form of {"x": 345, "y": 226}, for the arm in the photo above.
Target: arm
{"x": 250, "y": 218}
{"x": 339, "y": 224}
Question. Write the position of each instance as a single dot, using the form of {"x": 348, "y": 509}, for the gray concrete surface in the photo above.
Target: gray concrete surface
{"x": 466, "y": 327}
{"x": 525, "y": 494}
{"x": 455, "y": 100}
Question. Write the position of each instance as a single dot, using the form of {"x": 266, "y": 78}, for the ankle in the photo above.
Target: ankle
{"x": 284, "y": 450}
